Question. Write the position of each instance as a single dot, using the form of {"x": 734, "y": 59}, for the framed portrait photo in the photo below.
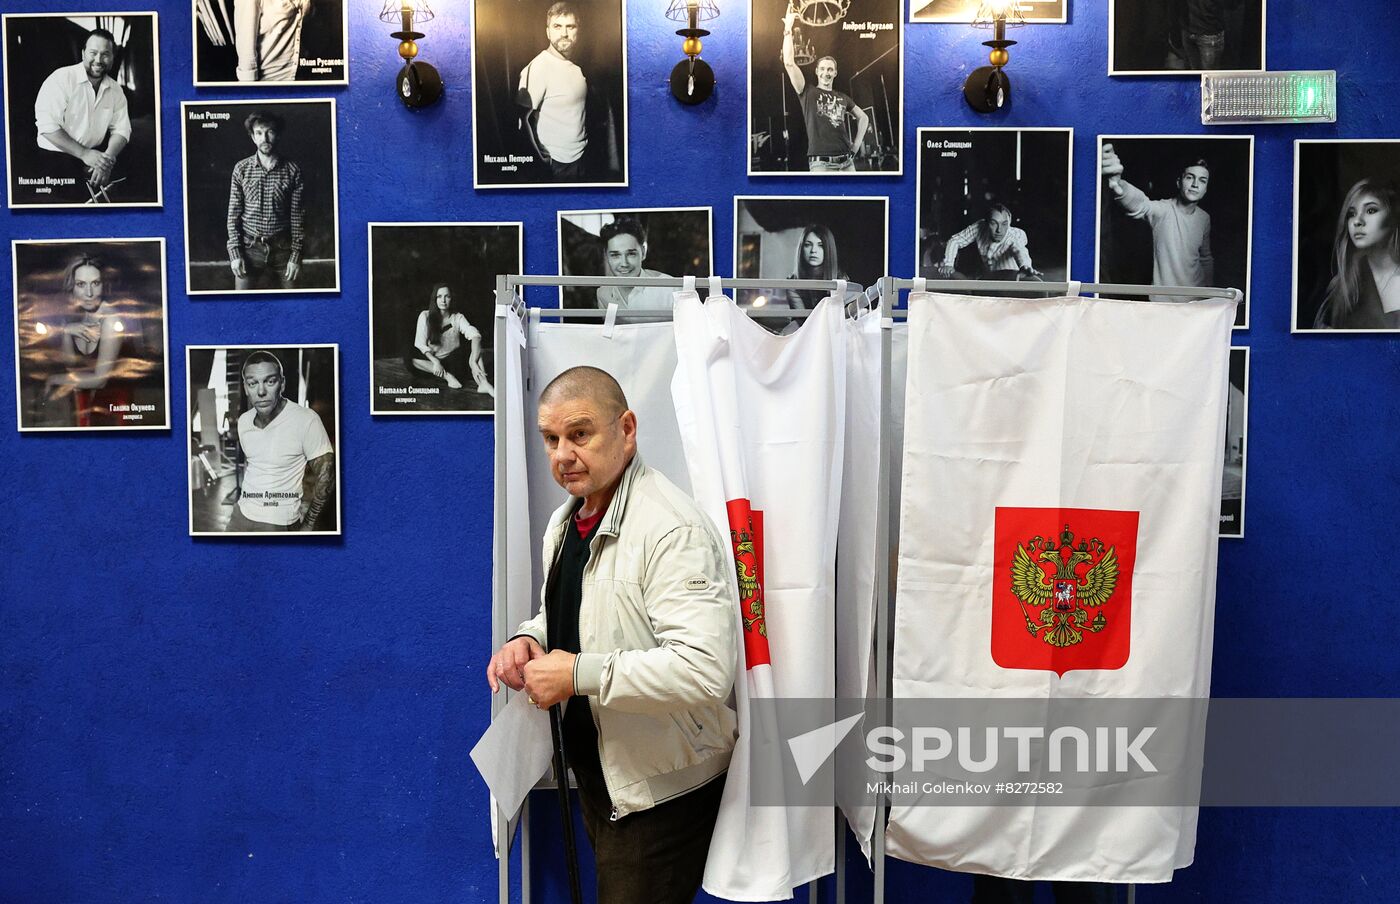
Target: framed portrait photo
{"x": 1048, "y": 11}
{"x": 82, "y": 109}
{"x": 269, "y": 43}
{"x": 826, "y": 88}
{"x": 1346, "y": 236}
{"x": 1177, "y": 210}
{"x": 1236, "y": 450}
{"x": 90, "y": 334}
{"x": 261, "y": 189}
{"x": 549, "y": 93}
{"x": 845, "y": 237}
{"x": 994, "y": 204}
{"x": 264, "y": 441}
{"x": 432, "y": 303}
{"x": 638, "y": 242}
{"x": 1185, "y": 37}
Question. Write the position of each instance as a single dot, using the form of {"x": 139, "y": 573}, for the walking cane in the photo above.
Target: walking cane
{"x": 561, "y": 782}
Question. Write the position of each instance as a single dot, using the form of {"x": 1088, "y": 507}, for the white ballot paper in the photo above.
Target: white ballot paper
{"x": 514, "y": 752}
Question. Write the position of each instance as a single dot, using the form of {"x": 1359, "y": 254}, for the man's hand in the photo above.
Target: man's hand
{"x": 508, "y": 665}
{"x": 101, "y": 171}
{"x": 550, "y": 678}
{"x": 944, "y": 271}
{"x": 788, "y": 18}
{"x": 1110, "y": 166}
{"x": 292, "y": 272}
{"x": 238, "y": 268}
{"x": 1029, "y": 273}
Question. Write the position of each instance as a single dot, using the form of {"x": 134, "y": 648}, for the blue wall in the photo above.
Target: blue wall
{"x": 288, "y": 721}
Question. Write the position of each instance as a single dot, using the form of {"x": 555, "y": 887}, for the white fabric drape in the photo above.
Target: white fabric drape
{"x": 1061, "y": 403}
{"x": 762, "y": 417}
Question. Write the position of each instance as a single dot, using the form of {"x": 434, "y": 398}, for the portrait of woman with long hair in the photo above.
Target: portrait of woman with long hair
{"x": 817, "y": 258}
{"x": 90, "y": 338}
{"x": 446, "y": 346}
{"x": 1364, "y": 292}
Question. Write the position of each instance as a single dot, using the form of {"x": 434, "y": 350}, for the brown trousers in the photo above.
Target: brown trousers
{"x": 656, "y": 856}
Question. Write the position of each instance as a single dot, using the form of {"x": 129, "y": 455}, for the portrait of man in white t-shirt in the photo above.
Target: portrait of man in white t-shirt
{"x": 556, "y": 92}
{"x": 549, "y": 112}
{"x": 289, "y": 476}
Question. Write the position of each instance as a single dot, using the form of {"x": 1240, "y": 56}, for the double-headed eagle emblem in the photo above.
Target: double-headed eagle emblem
{"x": 1059, "y": 605}
{"x": 750, "y": 588}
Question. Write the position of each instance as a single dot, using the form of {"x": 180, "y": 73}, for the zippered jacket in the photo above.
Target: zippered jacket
{"x": 658, "y": 628}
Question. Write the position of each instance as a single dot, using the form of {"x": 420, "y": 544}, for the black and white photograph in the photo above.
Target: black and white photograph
{"x": 264, "y": 439}
{"x": 1346, "y": 236}
{"x": 549, "y": 93}
{"x": 826, "y": 84}
{"x": 1177, "y": 210}
{"x": 269, "y": 43}
{"x": 1236, "y": 428}
{"x": 82, "y": 109}
{"x": 1047, "y": 11}
{"x": 634, "y": 243}
{"x": 994, "y": 204}
{"x": 432, "y": 303}
{"x": 808, "y": 238}
{"x": 90, "y": 334}
{"x": 1184, "y": 37}
{"x": 261, "y": 209}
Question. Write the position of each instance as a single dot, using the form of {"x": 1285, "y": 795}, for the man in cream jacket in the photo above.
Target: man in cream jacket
{"x": 637, "y": 633}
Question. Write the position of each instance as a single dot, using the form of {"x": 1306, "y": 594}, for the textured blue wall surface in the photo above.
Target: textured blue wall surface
{"x": 283, "y": 721}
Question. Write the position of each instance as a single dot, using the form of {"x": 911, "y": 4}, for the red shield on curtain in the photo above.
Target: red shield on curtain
{"x": 1062, "y": 588}
{"x": 746, "y": 536}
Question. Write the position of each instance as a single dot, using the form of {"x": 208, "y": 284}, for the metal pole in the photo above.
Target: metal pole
{"x": 884, "y": 593}
{"x": 498, "y": 570}
{"x": 566, "y": 810}
{"x": 1015, "y": 287}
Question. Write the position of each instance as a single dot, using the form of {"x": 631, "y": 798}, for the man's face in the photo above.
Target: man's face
{"x": 98, "y": 55}
{"x": 625, "y": 255}
{"x": 1192, "y": 183}
{"x": 262, "y": 384}
{"x": 265, "y": 138}
{"x": 588, "y": 445}
{"x": 562, "y": 32}
{"x": 826, "y": 73}
{"x": 998, "y": 224}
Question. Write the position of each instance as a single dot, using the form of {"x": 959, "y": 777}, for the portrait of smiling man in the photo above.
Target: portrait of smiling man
{"x": 636, "y": 638}
{"x": 624, "y": 255}
{"x": 82, "y": 98}
{"x": 830, "y": 148}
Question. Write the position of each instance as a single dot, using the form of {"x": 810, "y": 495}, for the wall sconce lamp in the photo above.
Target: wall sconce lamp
{"x": 419, "y": 84}
{"x": 988, "y": 89}
{"x": 692, "y": 81}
